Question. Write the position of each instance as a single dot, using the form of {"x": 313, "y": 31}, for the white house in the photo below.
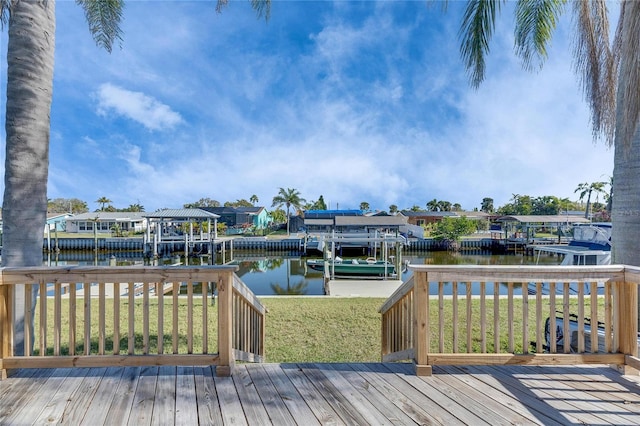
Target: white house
{"x": 106, "y": 221}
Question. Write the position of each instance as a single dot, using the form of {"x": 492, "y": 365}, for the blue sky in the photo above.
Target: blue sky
{"x": 354, "y": 101}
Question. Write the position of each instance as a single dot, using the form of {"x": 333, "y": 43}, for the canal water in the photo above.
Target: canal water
{"x": 282, "y": 275}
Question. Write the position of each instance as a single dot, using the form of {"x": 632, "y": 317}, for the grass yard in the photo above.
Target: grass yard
{"x": 298, "y": 329}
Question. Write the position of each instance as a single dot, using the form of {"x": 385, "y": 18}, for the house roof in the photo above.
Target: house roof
{"x": 182, "y": 214}
{"x": 116, "y": 216}
{"x": 233, "y": 210}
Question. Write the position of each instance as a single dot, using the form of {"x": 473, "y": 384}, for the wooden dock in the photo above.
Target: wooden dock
{"x": 313, "y": 394}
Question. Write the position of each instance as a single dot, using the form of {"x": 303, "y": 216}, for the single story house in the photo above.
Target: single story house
{"x": 241, "y": 218}
{"x": 106, "y": 221}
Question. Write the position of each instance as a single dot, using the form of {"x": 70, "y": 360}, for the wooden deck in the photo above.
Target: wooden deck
{"x": 307, "y": 394}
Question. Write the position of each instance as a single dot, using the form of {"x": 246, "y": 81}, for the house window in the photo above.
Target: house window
{"x": 420, "y": 222}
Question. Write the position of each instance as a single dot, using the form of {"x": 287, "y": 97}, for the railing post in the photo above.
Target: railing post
{"x": 5, "y": 328}
{"x": 626, "y": 320}
{"x": 421, "y": 324}
{"x": 225, "y": 325}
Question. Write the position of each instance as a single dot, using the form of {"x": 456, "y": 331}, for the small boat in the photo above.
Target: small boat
{"x": 369, "y": 267}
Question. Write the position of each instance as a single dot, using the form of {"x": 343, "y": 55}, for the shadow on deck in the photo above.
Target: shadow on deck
{"x": 363, "y": 394}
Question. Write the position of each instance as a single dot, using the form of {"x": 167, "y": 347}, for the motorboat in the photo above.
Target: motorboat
{"x": 369, "y": 267}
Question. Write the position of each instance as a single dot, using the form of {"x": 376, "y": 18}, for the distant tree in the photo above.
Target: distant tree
{"x": 364, "y": 206}
{"x": 290, "y": 198}
{"x": 254, "y": 199}
{"x": 415, "y": 208}
{"x": 444, "y": 206}
{"x": 586, "y": 189}
{"x": 433, "y": 205}
{"x": 67, "y": 205}
{"x": 202, "y": 202}
{"x": 393, "y": 208}
{"x": 134, "y": 208}
{"x": 238, "y": 203}
{"x": 456, "y": 207}
{"x": 278, "y": 216}
{"x": 318, "y": 205}
{"x": 103, "y": 201}
{"x": 451, "y": 229}
{"x": 519, "y": 205}
{"x": 487, "y": 205}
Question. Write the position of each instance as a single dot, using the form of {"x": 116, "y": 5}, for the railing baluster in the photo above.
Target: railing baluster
{"x": 57, "y": 318}
{"x": 161, "y": 317}
{"x": 174, "y": 317}
{"x": 581, "y": 317}
{"x": 205, "y": 318}
{"x": 72, "y": 318}
{"x": 469, "y": 320}
{"x": 43, "y": 318}
{"x": 441, "y": 316}
{"x": 566, "y": 332}
{"x": 539, "y": 320}
{"x": 454, "y": 296}
{"x": 595, "y": 318}
{"x": 28, "y": 318}
{"x": 145, "y": 318}
{"x": 510, "y": 317}
{"x": 116, "y": 318}
{"x": 496, "y": 317}
{"x": 525, "y": 318}
{"x": 101, "y": 318}
{"x": 483, "y": 317}
{"x": 87, "y": 317}
{"x": 190, "y": 317}
{"x": 553, "y": 346}
{"x": 131, "y": 329}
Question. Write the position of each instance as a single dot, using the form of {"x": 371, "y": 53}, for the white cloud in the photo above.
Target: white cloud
{"x": 137, "y": 106}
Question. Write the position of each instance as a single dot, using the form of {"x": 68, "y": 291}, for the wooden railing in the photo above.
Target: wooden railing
{"x": 134, "y": 316}
{"x": 513, "y": 315}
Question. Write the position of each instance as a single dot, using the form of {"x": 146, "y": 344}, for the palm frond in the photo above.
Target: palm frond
{"x": 476, "y": 30}
{"x": 5, "y": 12}
{"x": 262, "y": 7}
{"x": 103, "y": 17}
{"x": 535, "y": 22}
{"x": 628, "y": 92}
{"x": 596, "y": 65}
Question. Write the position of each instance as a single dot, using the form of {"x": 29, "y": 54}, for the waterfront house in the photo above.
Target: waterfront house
{"x": 239, "y": 219}
{"x": 106, "y": 221}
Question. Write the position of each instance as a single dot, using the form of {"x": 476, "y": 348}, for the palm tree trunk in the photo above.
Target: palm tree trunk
{"x": 30, "y": 57}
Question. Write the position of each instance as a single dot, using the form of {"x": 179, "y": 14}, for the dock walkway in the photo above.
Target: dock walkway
{"x": 310, "y": 394}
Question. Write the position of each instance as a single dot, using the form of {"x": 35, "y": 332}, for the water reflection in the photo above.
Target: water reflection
{"x": 277, "y": 275}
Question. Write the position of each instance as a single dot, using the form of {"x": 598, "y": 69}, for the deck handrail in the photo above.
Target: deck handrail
{"x": 423, "y": 324}
{"x": 146, "y": 326}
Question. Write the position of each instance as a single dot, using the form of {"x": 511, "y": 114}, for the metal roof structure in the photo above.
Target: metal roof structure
{"x": 181, "y": 214}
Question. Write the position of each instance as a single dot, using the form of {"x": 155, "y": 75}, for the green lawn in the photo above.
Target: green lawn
{"x": 302, "y": 329}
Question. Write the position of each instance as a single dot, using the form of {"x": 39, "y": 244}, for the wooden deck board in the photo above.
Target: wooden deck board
{"x": 328, "y": 394}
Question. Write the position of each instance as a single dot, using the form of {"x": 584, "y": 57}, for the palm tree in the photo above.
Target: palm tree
{"x": 254, "y": 199}
{"x": 610, "y": 79}
{"x": 30, "y": 56}
{"x": 103, "y": 201}
{"x": 433, "y": 205}
{"x": 586, "y": 189}
{"x": 290, "y": 198}
{"x": 393, "y": 208}
{"x": 364, "y": 206}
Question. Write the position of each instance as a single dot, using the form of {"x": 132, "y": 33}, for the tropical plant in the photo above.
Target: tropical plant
{"x": 393, "y": 209}
{"x": 103, "y": 201}
{"x": 610, "y": 78}
{"x": 433, "y": 205}
{"x": 586, "y": 189}
{"x": 238, "y": 203}
{"x": 364, "y": 206}
{"x": 290, "y": 198}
